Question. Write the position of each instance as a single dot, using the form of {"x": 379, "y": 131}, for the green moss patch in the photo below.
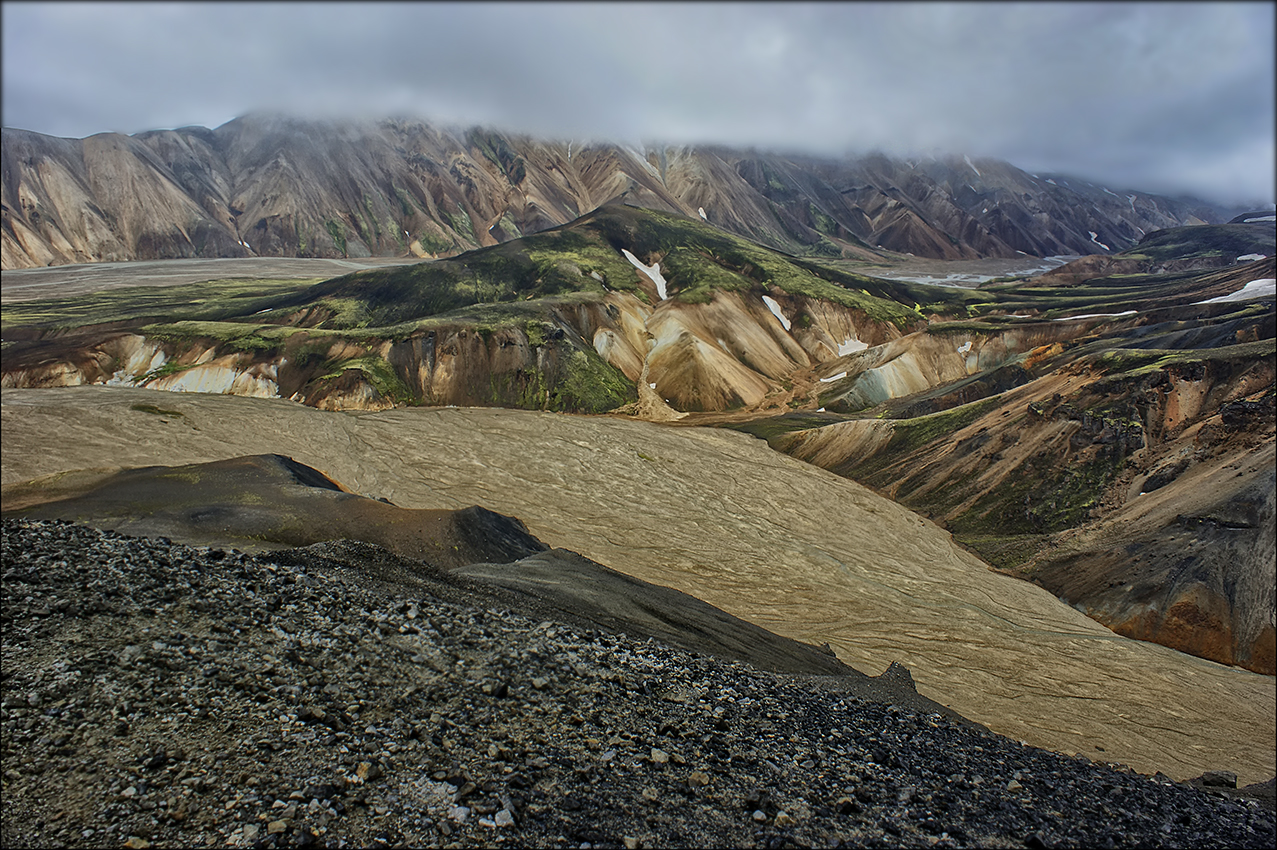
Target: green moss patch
{"x": 209, "y": 301}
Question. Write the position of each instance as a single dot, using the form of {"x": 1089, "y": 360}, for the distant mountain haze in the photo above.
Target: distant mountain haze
{"x": 266, "y": 185}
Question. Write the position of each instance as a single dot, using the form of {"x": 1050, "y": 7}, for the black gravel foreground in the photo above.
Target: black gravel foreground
{"x": 159, "y": 694}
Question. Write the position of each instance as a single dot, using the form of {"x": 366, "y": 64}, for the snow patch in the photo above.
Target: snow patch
{"x": 775, "y": 308}
{"x": 1052, "y": 182}
{"x": 1260, "y": 218}
{"x": 1245, "y": 258}
{"x": 1114, "y": 194}
{"x": 597, "y": 276}
{"x": 851, "y": 345}
{"x": 1097, "y": 316}
{"x": 1095, "y": 239}
{"x": 701, "y": 212}
{"x": 1265, "y": 287}
{"x": 965, "y": 347}
{"x": 973, "y": 168}
{"x": 833, "y": 378}
{"x": 653, "y": 271}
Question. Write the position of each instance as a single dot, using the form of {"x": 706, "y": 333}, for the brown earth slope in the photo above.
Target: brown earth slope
{"x": 722, "y": 517}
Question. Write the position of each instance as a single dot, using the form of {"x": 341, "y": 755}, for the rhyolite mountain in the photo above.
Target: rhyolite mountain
{"x": 1123, "y": 459}
{"x": 267, "y": 185}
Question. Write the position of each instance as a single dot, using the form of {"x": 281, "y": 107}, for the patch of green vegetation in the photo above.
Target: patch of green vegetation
{"x": 234, "y": 336}
{"x": 1005, "y": 552}
{"x": 823, "y": 248}
{"x": 775, "y": 427}
{"x": 345, "y": 312}
{"x": 944, "y": 328}
{"x": 378, "y": 372}
{"x": 507, "y": 224}
{"x": 372, "y": 231}
{"x": 209, "y": 301}
{"x": 338, "y": 232}
{"x": 407, "y": 204}
{"x": 433, "y": 243}
{"x": 823, "y": 223}
{"x": 460, "y": 223}
{"x": 1041, "y": 497}
{"x": 911, "y": 434}
{"x": 591, "y": 385}
{"x": 536, "y": 333}
{"x": 1141, "y": 361}
{"x": 1205, "y": 240}
{"x": 153, "y": 410}
{"x": 167, "y": 368}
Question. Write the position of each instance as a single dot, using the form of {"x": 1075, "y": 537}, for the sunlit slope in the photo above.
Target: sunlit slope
{"x": 573, "y": 319}
{"x": 719, "y": 515}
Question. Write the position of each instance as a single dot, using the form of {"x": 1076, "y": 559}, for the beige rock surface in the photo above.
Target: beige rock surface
{"x": 719, "y": 515}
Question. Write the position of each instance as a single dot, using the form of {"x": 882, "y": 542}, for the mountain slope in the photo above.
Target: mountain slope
{"x": 266, "y": 185}
{"x": 565, "y": 319}
{"x": 1117, "y": 448}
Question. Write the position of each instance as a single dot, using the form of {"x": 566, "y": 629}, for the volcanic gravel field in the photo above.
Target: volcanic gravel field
{"x": 166, "y": 695}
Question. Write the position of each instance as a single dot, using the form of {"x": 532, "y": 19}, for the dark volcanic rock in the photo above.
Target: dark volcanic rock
{"x": 158, "y": 694}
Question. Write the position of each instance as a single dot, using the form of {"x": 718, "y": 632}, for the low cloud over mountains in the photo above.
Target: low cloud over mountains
{"x": 265, "y": 185}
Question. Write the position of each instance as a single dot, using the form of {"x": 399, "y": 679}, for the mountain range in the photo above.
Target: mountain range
{"x": 268, "y": 185}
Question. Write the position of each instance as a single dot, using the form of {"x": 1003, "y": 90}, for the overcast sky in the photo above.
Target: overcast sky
{"x": 1175, "y": 97}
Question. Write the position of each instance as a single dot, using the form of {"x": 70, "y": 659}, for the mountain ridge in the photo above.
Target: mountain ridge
{"x": 270, "y": 185}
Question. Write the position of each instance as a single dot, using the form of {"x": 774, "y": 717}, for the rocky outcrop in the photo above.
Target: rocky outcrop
{"x": 266, "y": 185}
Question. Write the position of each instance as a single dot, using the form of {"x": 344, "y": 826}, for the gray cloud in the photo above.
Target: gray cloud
{"x": 1163, "y": 97}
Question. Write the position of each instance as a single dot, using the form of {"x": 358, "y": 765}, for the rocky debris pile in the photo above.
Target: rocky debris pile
{"x": 160, "y": 694}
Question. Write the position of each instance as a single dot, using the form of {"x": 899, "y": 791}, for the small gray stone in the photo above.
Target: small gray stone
{"x": 1219, "y": 779}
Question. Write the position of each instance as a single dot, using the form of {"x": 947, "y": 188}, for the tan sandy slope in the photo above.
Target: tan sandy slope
{"x": 719, "y": 515}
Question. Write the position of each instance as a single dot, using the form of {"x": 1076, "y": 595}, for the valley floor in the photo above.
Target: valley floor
{"x": 66, "y": 281}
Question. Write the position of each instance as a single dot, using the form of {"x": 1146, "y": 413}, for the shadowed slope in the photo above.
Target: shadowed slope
{"x": 272, "y": 501}
{"x": 269, "y": 501}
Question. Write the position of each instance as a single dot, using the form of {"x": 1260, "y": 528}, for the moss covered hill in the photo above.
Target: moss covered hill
{"x": 1111, "y": 439}
{"x": 1207, "y": 246}
{"x": 562, "y": 320}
